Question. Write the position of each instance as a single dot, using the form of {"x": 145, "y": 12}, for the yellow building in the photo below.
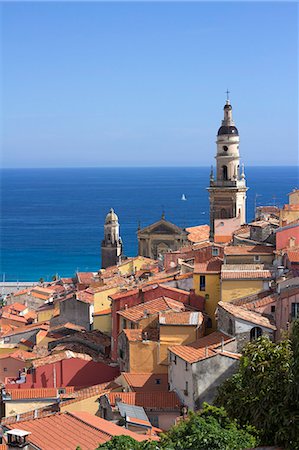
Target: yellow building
{"x": 47, "y": 312}
{"x": 102, "y": 321}
{"x": 241, "y": 280}
{"x": 206, "y": 279}
{"x": 290, "y": 212}
{"x": 133, "y": 265}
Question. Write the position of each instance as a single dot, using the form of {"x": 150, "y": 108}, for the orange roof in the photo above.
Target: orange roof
{"x": 211, "y": 266}
{"x": 154, "y": 400}
{"x": 199, "y": 233}
{"x": 14, "y": 317}
{"x": 85, "y": 277}
{"x": 248, "y": 250}
{"x": 19, "y": 394}
{"x": 202, "y": 348}
{"x": 181, "y": 318}
{"x": 30, "y": 315}
{"x": 17, "y": 306}
{"x": 19, "y": 330}
{"x": 85, "y": 296}
{"x": 68, "y": 325}
{"x": 67, "y": 431}
{"x": 19, "y": 354}
{"x": 90, "y": 391}
{"x": 248, "y": 274}
{"x": 104, "y": 312}
{"x": 56, "y": 357}
{"x": 22, "y": 292}
{"x": 140, "y": 311}
{"x": 142, "y": 382}
{"x": 244, "y": 314}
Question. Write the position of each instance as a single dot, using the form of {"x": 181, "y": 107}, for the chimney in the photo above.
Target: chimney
{"x": 17, "y": 439}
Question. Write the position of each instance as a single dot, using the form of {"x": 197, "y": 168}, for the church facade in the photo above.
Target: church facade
{"x": 159, "y": 238}
{"x": 228, "y": 187}
{"x": 112, "y": 243}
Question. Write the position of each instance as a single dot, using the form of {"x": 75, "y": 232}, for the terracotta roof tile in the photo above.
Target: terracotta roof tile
{"x": 67, "y": 431}
{"x": 138, "y": 312}
{"x": 34, "y": 326}
{"x": 103, "y": 312}
{"x": 67, "y": 354}
{"x": 202, "y": 348}
{"x": 247, "y": 315}
{"x": 199, "y": 233}
{"x": 18, "y": 394}
{"x": 17, "y": 306}
{"x": 146, "y": 382}
{"x": 245, "y": 271}
{"x": 181, "y": 318}
{"x": 153, "y": 400}
{"x": 211, "y": 266}
{"x": 248, "y": 250}
{"x": 13, "y": 317}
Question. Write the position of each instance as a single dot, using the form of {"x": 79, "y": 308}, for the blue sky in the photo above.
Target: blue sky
{"x": 143, "y": 84}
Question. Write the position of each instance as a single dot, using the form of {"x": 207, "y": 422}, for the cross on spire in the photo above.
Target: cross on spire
{"x": 227, "y": 94}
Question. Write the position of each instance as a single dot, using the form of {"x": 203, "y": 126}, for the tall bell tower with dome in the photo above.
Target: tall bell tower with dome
{"x": 228, "y": 188}
{"x": 112, "y": 243}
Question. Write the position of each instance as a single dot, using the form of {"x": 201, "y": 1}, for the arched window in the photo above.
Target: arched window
{"x": 209, "y": 323}
{"x": 224, "y": 173}
{"x": 230, "y": 327}
{"x": 255, "y": 333}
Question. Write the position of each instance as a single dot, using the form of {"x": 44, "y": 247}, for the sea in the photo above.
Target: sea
{"x": 52, "y": 219}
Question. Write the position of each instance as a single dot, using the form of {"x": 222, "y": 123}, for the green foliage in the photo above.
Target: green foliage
{"x": 209, "y": 429}
{"x": 264, "y": 392}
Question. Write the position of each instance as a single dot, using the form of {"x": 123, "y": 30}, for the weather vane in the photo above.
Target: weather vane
{"x": 227, "y": 94}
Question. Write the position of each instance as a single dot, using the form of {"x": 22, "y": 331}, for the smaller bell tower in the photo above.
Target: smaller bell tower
{"x": 112, "y": 243}
{"x": 228, "y": 188}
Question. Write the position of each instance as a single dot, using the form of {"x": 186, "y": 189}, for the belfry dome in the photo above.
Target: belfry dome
{"x": 111, "y": 216}
{"x": 228, "y": 129}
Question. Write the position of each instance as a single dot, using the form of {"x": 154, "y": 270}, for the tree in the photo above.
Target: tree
{"x": 264, "y": 391}
{"x": 209, "y": 429}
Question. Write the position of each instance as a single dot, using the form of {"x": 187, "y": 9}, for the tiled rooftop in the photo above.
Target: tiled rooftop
{"x": 248, "y": 250}
{"x": 199, "y": 233}
{"x": 139, "y": 335}
{"x": 66, "y": 431}
{"x": 34, "y": 393}
{"x": 153, "y": 400}
{"x": 34, "y": 326}
{"x": 244, "y": 314}
{"x": 142, "y": 382}
{"x": 211, "y": 266}
{"x": 181, "y": 318}
{"x": 202, "y": 348}
{"x": 56, "y": 357}
{"x": 138, "y": 312}
{"x": 245, "y": 271}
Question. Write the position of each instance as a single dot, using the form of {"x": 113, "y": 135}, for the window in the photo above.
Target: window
{"x": 224, "y": 173}
{"x": 209, "y": 323}
{"x": 202, "y": 283}
{"x": 186, "y": 388}
{"x": 61, "y": 391}
{"x": 225, "y": 148}
{"x": 4, "y": 369}
{"x": 272, "y": 308}
{"x": 186, "y": 366}
{"x": 121, "y": 353}
{"x": 124, "y": 323}
{"x": 255, "y": 333}
{"x": 154, "y": 421}
{"x": 295, "y": 311}
{"x": 174, "y": 359}
{"x": 207, "y": 296}
{"x": 257, "y": 258}
{"x": 158, "y": 380}
{"x": 215, "y": 251}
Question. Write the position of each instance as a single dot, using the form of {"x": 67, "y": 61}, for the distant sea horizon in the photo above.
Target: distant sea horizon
{"x": 52, "y": 218}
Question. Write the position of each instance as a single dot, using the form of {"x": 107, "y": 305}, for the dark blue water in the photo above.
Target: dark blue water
{"x": 52, "y": 219}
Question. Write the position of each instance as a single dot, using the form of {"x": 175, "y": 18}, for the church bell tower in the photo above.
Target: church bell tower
{"x": 228, "y": 188}
{"x": 112, "y": 243}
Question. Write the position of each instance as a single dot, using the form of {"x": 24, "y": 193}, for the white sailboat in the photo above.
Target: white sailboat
{"x": 183, "y": 197}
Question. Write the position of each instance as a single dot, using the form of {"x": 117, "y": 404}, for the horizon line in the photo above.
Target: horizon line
{"x": 139, "y": 167}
